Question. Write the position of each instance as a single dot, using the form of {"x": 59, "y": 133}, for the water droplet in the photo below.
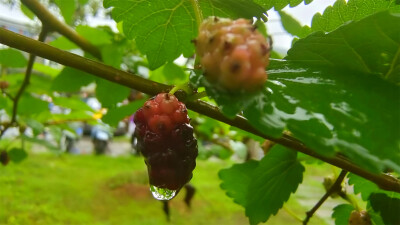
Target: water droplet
{"x": 162, "y": 193}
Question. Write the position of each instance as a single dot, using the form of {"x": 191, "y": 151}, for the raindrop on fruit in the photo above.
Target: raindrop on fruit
{"x": 162, "y": 193}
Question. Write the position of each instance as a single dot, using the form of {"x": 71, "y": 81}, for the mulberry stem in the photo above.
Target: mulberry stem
{"x": 197, "y": 12}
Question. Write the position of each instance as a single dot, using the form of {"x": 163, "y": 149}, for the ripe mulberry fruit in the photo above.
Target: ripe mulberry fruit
{"x": 4, "y": 158}
{"x": 233, "y": 54}
{"x": 165, "y": 139}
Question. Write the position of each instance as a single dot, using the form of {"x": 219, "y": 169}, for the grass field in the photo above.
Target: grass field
{"x": 48, "y": 190}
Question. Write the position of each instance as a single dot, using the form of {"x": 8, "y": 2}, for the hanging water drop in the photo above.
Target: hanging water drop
{"x": 162, "y": 193}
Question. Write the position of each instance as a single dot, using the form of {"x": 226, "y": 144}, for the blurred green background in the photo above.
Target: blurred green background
{"x": 88, "y": 189}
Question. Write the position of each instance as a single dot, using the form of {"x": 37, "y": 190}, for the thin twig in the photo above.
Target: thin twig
{"x": 335, "y": 187}
{"x": 27, "y": 78}
{"x": 49, "y": 20}
{"x": 3, "y": 131}
{"x": 152, "y": 88}
{"x": 25, "y": 83}
{"x": 8, "y": 95}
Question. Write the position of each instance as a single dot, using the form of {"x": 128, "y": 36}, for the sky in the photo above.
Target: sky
{"x": 282, "y": 40}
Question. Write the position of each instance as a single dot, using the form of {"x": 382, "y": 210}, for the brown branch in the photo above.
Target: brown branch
{"x": 49, "y": 20}
{"x": 335, "y": 188}
{"x": 25, "y": 83}
{"x": 152, "y": 88}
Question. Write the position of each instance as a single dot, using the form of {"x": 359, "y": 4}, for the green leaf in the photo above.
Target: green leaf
{"x": 170, "y": 73}
{"x": 114, "y": 115}
{"x": 264, "y": 186}
{"x": 72, "y": 103}
{"x": 63, "y": 43}
{"x": 280, "y": 4}
{"x": 109, "y": 93}
{"x": 387, "y": 206}
{"x": 342, "y": 12}
{"x": 36, "y": 126}
{"x": 41, "y": 142}
{"x": 230, "y": 103}
{"x": 6, "y": 104}
{"x": 112, "y": 55}
{"x": 29, "y": 105}
{"x": 17, "y": 155}
{"x": 370, "y": 46}
{"x": 290, "y": 24}
{"x": 238, "y": 172}
{"x": 208, "y": 127}
{"x": 341, "y": 214}
{"x": 232, "y": 9}
{"x": 71, "y": 80}
{"x": 162, "y": 29}
{"x": 241, "y": 133}
{"x": 366, "y": 187}
{"x": 261, "y": 27}
{"x": 67, "y": 8}
{"x": 12, "y": 58}
{"x": 27, "y": 12}
{"x": 77, "y": 115}
{"x": 47, "y": 70}
{"x": 277, "y": 176}
{"x": 376, "y": 218}
{"x": 220, "y": 151}
{"x": 83, "y": 2}
{"x": 330, "y": 111}
{"x": 97, "y": 36}
{"x": 39, "y": 84}
{"x": 276, "y": 55}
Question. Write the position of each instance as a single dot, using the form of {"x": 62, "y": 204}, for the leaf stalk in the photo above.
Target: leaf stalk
{"x": 197, "y": 12}
{"x": 49, "y": 20}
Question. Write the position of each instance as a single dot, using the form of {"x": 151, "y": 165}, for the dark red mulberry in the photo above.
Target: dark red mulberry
{"x": 165, "y": 138}
{"x": 4, "y": 158}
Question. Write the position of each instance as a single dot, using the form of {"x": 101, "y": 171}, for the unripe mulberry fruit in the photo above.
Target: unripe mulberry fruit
{"x": 233, "y": 54}
{"x": 165, "y": 138}
{"x": 4, "y": 84}
{"x": 359, "y": 218}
